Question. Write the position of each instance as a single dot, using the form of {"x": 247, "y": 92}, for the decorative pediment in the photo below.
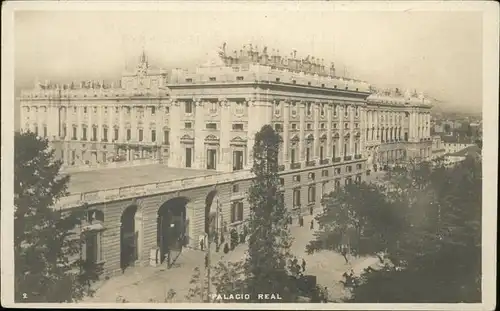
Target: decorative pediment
{"x": 238, "y": 140}
{"x": 336, "y": 136}
{"x": 347, "y": 135}
{"x": 310, "y": 137}
{"x": 323, "y": 137}
{"x": 186, "y": 137}
{"x": 211, "y": 138}
{"x": 295, "y": 139}
{"x": 357, "y": 134}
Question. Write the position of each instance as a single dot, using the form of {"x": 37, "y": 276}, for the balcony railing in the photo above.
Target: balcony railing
{"x": 324, "y": 161}
{"x": 336, "y": 160}
{"x": 281, "y": 168}
{"x": 347, "y": 158}
{"x": 357, "y": 156}
{"x": 294, "y": 166}
{"x": 310, "y": 163}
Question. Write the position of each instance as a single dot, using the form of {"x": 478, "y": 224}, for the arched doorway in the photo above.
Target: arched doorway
{"x": 128, "y": 238}
{"x": 171, "y": 229}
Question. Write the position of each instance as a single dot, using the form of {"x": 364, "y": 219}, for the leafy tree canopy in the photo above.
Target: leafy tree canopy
{"x": 47, "y": 268}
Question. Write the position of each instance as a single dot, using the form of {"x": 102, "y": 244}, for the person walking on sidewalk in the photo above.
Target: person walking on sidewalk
{"x": 303, "y": 265}
{"x": 344, "y": 253}
{"x": 301, "y": 221}
{"x": 312, "y": 224}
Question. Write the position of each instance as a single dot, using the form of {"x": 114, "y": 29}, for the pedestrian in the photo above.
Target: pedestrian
{"x": 312, "y": 224}
{"x": 311, "y": 210}
{"x": 301, "y": 221}
{"x": 202, "y": 242}
{"x": 344, "y": 254}
{"x": 303, "y": 265}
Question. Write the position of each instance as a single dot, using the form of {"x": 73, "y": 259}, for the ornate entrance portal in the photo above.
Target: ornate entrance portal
{"x": 171, "y": 229}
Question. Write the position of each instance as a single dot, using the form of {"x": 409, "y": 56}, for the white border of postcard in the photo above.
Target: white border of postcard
{"x": 490, "y": 12}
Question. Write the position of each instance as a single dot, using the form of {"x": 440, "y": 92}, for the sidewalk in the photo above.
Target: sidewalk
{"x": 141, "y": 284}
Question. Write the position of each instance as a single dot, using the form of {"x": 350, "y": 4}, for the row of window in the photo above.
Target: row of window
{"x": 293, "y": 152}
{"x": 309, "y": 126}
{"x": 116, "y": 132}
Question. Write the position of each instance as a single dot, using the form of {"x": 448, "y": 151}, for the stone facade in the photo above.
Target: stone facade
{"x": 333, "y": 129}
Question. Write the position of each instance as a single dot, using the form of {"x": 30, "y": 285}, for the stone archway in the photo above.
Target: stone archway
{"x": 129, "y": 236}
{"x": 171, "y": 229}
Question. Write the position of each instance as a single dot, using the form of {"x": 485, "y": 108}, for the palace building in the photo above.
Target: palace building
{"x": 153, "y": 154}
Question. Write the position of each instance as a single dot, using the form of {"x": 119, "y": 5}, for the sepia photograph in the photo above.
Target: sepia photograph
{"x": 304, "y": 154}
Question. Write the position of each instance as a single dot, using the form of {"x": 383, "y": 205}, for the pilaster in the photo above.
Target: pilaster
{"x": 226, "y": 161}
{"x": 302, "y": 126}
{"x": 286, "y": 132}
{"x": 329, "y": 134}
{"x": 315, "y": 156}
{"x": 199, "y": 134}
{"x": 175, "y": 158}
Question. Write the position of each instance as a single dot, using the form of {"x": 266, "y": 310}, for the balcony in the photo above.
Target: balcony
{"x": 324, "y": 161}
{"x": 336, "y": 160}
{"x": 295, "y": 166}
{"x": 281, "y": 168}
{"x": 347, "y": 158}
{"x": 310, "y": 163}
{"x": 357, "y": 156}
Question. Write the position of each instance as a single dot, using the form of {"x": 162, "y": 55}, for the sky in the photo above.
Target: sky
{"x": 437, "y": 52}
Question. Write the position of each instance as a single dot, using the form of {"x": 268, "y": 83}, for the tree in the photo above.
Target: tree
{"x": 434, "y": 255}
{"x": 356, "y": 218}
{"x": 269, "y": 266}
{"x": 47, "y": 268}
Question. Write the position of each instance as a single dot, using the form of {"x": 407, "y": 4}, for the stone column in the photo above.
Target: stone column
{"x": 341, "y": 131}
{"x": 111, "y": 128}
{"x": 90, "y": 128}
{"x": 199, "y": 134}
{"x": 100, "y": 130}
{"x": 252, "y": 129}
{"x": 302, "y": 126}
{"x": 315, "y": 154}
{"x": 80, "y": 122}
{"x": 286, "y": 132}
{"x": 329, "y": 132}
{"x": 122, "y": 132}
{"x": 133, "y": 123}
{"x": 363, "y": 125}
{"x": 226, "y": 157}
{"x": 175, "y": 158}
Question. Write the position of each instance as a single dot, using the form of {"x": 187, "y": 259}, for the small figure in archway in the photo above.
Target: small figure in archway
{"x": 202, "y": 242}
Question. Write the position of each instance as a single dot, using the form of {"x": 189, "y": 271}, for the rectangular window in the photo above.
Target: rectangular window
{"x": 324, "y": 173}
{"x": 348, "y": 168}
{"x": 345, "y": 149}
{"x": 73, "y": 156}
{"x": 239, "y": 78}
{"x": 311, "y": 194}
{"x": 212, "y": 79}
{"x": 238, "y": 126}
{"x": 189, "y": 80}
{"x": 140, "y": 134}
{"x": 166, "y": 138}
{"x": 296, "y": 178}
{"x": 188, "y": 107}
{"x": 278, "y": 128}
{"x": 153, "y": 135}
{"x": 84, "y": 109}
{"x": 282, "y": 181}
{"x": 92, "y": 248}
{"x": 211, "y": 126}
{"x": 189, "y": 156}
{"x": 64, "y": 131}
{"x": 308, "y": 154}
{"x": 94, "y": 133}
{"x": 129, "y": 134}
{"x": 153, "y": 111}
{"x": 292, "y": 155}
{"x": 105, "y": 134}
{"x": 116, "y": 134}
{"x": 296, "y": 198}
{"x": 187, "y": 125}
{"x": 44, "y": 131}
{"x": 334, "y": 151}
{"x": 84, "y": 134}
{"x": 211, "y": 159}
{"x": 74, "y": 133}
{"x": 236, "y": 211}
{"x": 312, "y": 176}
{"x": 236, "y": 188}
{"x": 237, "y": 160}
